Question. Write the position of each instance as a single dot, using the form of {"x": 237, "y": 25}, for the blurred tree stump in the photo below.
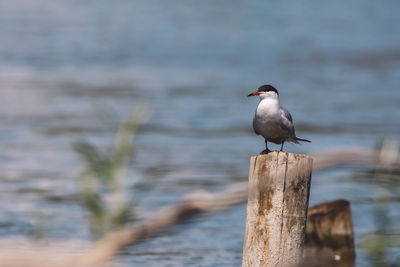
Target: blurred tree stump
{"x": 329, "y": 235}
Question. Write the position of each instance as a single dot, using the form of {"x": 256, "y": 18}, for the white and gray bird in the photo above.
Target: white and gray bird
{"x": 272, "y": 121}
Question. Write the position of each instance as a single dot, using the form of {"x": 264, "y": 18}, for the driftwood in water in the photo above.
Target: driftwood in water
{"x": 330, "y": 238}
{"x": 102, "y": 252}
{"x": 279, "y": 186}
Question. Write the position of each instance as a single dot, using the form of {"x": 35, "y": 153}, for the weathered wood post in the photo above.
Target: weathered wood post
{"x": 279, "y": 187}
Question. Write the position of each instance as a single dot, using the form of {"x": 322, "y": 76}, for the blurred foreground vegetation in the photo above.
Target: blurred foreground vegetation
{"x": 103, "y": 181}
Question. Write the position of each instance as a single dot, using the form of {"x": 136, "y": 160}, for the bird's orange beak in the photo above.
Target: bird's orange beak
{"x": 254, "y": 93}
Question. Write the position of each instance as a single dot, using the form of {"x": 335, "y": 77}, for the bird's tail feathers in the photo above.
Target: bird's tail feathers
{"x": 302, "y": 139}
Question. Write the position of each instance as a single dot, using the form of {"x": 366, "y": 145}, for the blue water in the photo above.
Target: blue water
{"x": 336, "y": 66}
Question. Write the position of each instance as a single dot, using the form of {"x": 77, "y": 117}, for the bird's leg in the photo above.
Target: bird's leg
{"x": 282, "y": 146}
{"x": 266, "y": 151}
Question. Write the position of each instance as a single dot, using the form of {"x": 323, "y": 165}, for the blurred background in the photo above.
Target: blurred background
{"x": 62, "y": 63}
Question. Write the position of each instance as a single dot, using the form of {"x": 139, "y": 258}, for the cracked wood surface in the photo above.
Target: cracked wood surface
{"x": 279, "y": 186}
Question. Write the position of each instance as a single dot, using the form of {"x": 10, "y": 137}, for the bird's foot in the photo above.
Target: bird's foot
{"x": 266, "y": 151}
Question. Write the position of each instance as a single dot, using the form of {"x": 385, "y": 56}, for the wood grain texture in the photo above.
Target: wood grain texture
{"x": 279, "y": 186}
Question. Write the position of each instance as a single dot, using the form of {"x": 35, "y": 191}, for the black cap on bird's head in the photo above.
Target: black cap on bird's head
{"x": 267, "y": 88}
{"x": 263, "y": 89}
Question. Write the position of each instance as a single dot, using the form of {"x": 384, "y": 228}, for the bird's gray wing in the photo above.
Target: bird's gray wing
{"x": 286, "y": 114}
{"x": 255, "y": 125}
{"x": 287, "y": 122}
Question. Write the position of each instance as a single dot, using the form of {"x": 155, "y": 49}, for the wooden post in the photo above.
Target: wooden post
{"x": 279, "y": 187}
{"x": 329, "y": 234}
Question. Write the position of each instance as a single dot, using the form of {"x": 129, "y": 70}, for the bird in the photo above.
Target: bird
{"x": 271, "y": 120}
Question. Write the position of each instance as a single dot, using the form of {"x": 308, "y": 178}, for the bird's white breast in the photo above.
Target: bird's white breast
{"x": 266, "y": 119}
{"x": 268, "y": 107}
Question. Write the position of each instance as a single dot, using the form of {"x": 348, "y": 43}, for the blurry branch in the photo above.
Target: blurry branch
{"x": 386, "y": 157}
{"x": 202, "y": 201}
{"x": 190, "y": 205}
{"x": 102, "y": 183}
{"x": 103, "y": 251}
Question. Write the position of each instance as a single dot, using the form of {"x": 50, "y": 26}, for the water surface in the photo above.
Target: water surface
{"x": 336, "y": 65}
